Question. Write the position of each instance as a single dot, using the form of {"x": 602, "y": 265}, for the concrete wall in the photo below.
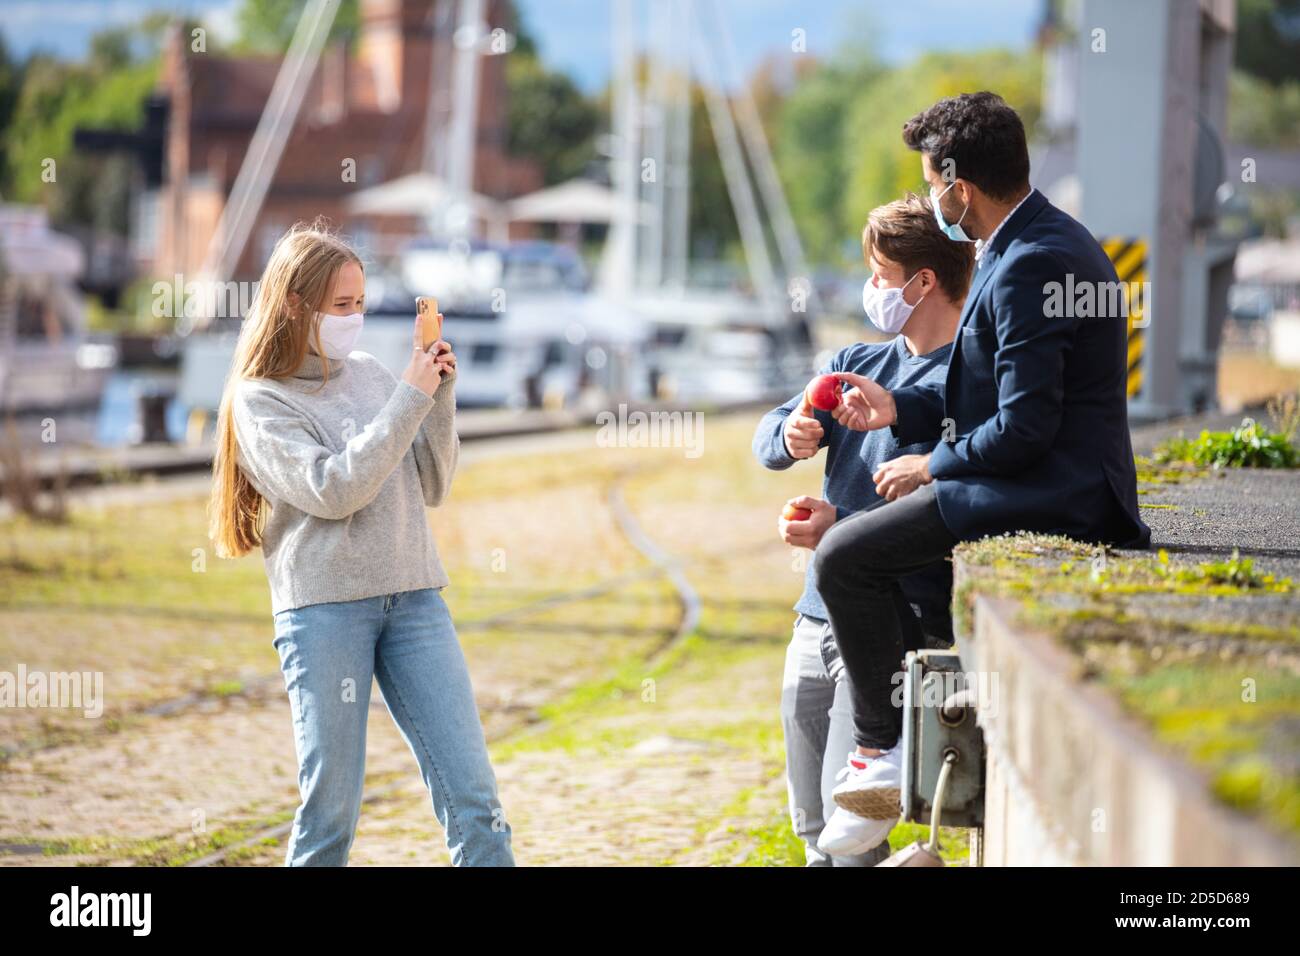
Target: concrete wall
{"x": 1073, "y": 780}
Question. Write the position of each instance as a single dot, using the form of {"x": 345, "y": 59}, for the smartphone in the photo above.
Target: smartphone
{"x": 430, "y": 321}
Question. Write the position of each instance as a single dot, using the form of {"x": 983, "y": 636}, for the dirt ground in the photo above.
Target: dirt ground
{"x": 616, "y": 740}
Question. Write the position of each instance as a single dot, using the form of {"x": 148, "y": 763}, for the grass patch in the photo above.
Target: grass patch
{"x": 1249, "y": 445}
{"x": 954, "y": 844}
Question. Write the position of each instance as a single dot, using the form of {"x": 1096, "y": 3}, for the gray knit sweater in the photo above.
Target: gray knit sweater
{"x": 347, "y": 470}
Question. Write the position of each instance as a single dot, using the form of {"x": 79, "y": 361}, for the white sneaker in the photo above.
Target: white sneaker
{"x": 847, "y": 834}
{"x": 873, "y": 785}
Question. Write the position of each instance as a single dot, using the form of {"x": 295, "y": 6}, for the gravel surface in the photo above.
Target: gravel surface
{"x": 1255, "y": 510}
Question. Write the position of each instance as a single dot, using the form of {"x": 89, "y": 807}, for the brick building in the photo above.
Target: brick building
{"x": 368, "y": 101}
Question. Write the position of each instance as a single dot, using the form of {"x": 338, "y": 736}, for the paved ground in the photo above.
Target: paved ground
{"x": 1255, "y": 510}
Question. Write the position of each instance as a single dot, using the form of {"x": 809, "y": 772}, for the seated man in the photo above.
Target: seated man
{"x": 1031, "y": 415}
{"x": 918, "y": 282}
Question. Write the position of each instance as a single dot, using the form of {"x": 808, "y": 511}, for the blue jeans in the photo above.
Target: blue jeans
{"x": 329, "y": 654}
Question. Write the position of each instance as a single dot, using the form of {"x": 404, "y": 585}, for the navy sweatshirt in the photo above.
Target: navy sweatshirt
{"x": 852, "y": 457}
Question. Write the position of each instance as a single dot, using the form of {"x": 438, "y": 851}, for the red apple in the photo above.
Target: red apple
{"x": 824, "y": 392}
{"x": 791, "y": 513}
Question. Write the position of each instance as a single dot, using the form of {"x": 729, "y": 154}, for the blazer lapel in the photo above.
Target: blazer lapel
{"x": 1034, "y": 203}
{"x": 982, "y": 272}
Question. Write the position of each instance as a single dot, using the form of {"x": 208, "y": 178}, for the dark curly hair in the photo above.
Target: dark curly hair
{"x": 983, "y": 137}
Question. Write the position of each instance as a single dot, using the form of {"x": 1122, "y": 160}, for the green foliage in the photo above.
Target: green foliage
{"x": 549, "y": 119}
{"x": 810, "y": 151}
{"x": 840, "y": 147}
{"x": 267, "y": 26}
{"x": 1249, "y": 445}
{"x": 11, "y": 82}
{"x": 879, "y": 166}
{"x": 954, "y": 843}
{"x": 1268, "y": 43}
{"x": 1262, "y": 113}
{"x": 1236, "y": 572}
{"x": 1205, "y": 653}
{"x": 712, "y": 221}
{"x": 1244, "y": 744}
{"x": 55, "y": 99}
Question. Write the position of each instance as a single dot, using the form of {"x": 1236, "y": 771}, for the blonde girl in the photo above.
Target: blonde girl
{"x": 326, "y": 462}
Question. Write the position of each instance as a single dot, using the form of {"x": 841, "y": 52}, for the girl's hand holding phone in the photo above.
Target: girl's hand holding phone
{"x": 425, "y": 371}
{"x": 443, "y": 355}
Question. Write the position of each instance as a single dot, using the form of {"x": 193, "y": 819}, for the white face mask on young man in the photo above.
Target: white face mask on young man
{"x": 886, "y": 308}
{"x": 339, "y": 333}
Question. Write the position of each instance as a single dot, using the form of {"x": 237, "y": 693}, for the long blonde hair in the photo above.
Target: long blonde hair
{"x": 272, "y": 344}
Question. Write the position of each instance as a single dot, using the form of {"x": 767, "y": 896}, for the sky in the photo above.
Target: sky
{"x": 573, "y": 35}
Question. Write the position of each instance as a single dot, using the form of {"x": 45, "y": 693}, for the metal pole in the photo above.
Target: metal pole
{"x": 464, "y": 115}
{"x": 739, "y": 186}
{"x": 438, "y": 116}
{"x": 652, "y": 253}
{"x": 618, "y": 261}
{"x": 677, "y": 176}
{"x": 760, "y": 155}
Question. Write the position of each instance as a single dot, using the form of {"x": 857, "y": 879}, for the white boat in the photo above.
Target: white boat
{"x": 721, "y": 347}
{"x": 48, "y": 362}
{"x": 526, "y": 329}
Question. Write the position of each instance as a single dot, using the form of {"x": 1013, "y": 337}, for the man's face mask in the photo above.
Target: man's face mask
{"x": 953, "y": 231}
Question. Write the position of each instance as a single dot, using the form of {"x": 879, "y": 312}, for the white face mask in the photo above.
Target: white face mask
{"x": 339, "y": 333}
{"x": 886, "y": 308}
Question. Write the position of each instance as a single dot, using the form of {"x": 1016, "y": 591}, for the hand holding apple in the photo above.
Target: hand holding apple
{"x": 805, "y": 532}
{"x": 802, "y": 432}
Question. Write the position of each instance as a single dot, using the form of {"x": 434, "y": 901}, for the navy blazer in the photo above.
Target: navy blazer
{"x": 1036, "y": 403}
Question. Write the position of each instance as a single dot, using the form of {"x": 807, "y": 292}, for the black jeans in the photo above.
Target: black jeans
{"x": 857, "y": 565}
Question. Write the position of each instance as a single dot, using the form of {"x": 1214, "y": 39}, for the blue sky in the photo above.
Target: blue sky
{"x": 574, "y": 34}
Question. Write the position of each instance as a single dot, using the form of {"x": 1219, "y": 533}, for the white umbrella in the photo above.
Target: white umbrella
{"x": 420, "y": 194}
{"x": 29, "y": 247}
{"x": 578, "y": 200}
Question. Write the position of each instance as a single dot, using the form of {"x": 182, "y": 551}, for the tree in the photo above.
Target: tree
{"x": 267, "y": 26}
{"x": 879, "y": 166}
{"x": 548, "y": 118}
{"x": 811, "y": 151}
{"x": 55, "y": 99}
{"x": 1268, "y": 39}
{"x": 1262, "y": 113}
{"x": 11, "y": 82}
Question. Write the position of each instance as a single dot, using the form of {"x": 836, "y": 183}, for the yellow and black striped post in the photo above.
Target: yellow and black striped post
{"x": 1129, "y": 256}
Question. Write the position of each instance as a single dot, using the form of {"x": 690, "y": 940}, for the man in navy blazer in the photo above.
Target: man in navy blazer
{"x": 1032, "y": 416}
